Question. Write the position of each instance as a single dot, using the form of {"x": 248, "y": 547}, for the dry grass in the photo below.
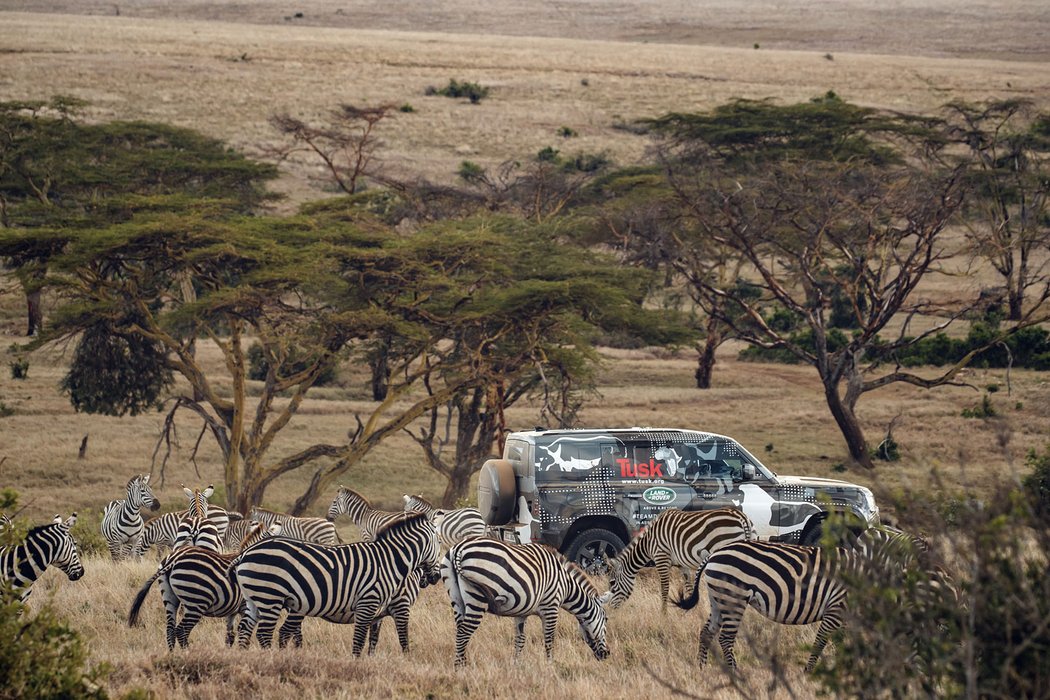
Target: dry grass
{"x": 640, "y": 638}
{"x": 171, "y": 62}
{"x": 225, "y": 79}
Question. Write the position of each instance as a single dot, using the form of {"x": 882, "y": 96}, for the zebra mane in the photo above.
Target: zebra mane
{"x": 356, "y": 495}
{"x": 573, "y": 569}
{"x": 401, "y": 523}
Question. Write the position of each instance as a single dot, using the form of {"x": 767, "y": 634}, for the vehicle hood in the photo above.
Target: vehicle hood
{"x": 809, "y": 488}
{"x": 816, "y": 482}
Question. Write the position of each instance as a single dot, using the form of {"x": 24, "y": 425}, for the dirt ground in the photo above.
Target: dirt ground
{"x": 1011, "y": 29}
{"x": 588, "y": 69}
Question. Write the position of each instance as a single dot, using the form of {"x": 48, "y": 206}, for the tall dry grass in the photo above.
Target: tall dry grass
{"x": 650, "y": 652}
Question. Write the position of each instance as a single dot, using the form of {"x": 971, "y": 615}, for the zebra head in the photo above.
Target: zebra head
{"x": 585, "y": 603}
{"x": 198, "y": 500}
{"x": 347, "y": 501}
{"x": 140, "y": 495}
{"x": 259, "y": 531}
{"x": 66, "y": 556}
{"x": 415, "y": 503}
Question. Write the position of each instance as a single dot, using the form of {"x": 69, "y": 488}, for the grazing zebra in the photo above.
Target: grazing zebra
{"x": 121, "y": 521}
{"x": 316, "y": 530}
{"x": 343, "y": 584}
{"x": 675, "y": 538}
{"x": 789, "y": 584}
{"x": 367, "y": 518}
{"x": 452, "y": 525}
{"x": 21, "y": 565}
{"x": 518, "y": 580}
{"x": 198, "y": 580}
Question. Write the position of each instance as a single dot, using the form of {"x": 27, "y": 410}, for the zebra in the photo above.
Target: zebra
{"x": 675, "y": 538}
{"x": 789, "y": 584}
{"x": 292, "y": 629}
{"x": 367, "y": 518}
{"x": 518, "y": 580}
{"x": 198, "y": 580}
{"x": 452, "y": 525}
{"x": 21, "y": 565}
{"x": 196, "y": 528}
{"x": 343, "y": 584}
{"x": 317, "y": 530}
{"x": 159, "y": 531}
{"x": 162, "y": 530}
{"x": 121, "y": 521}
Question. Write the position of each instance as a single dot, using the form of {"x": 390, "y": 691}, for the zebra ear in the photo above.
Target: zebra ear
{"x": 208, "y": 491}
{"x": 276, "y": 528}
{"x": 56, "y": 520}
{"x": 189, "y": 494}
{"x": 145, "y": 478}
{"x": 71, "y": 521}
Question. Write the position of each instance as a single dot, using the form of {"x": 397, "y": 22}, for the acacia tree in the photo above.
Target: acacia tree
{"x": 808, "y": 229}
{"x": 61, "y": 175}
{"x": 1007, "y": 151}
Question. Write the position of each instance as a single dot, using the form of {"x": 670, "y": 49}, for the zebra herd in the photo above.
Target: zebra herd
{"x": 294, "y": 566}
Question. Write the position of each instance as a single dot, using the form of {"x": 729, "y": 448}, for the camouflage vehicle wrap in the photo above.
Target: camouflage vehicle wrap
{"x": 588, "y": 492}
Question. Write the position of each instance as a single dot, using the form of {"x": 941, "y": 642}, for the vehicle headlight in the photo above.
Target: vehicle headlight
{"x": 869, "y": 502}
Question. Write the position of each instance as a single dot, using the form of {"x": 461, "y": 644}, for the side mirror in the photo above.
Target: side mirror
{"x": 749, "y": 472}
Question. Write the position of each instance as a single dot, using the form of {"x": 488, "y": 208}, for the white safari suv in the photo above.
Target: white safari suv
{"x": 587, "y": 492}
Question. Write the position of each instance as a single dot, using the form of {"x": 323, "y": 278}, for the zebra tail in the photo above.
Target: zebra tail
{"x": 140, "y": 597}
{"x": 689, "y": 602}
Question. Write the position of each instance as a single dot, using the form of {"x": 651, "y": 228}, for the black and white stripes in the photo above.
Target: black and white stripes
{"x": 48, "y": 545}
{"x": 121, "y": 520}
{"x": 452, "y": 525}
{"x": 346, "y": 583}
{"x": 367, "y": 518}
{"x": 316, "y": 530}
{"x": 513, "y": 580}
{"x": 675, "y": 538}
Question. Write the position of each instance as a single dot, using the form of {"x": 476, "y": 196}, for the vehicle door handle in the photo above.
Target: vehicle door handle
{"x": 632, "y": 495}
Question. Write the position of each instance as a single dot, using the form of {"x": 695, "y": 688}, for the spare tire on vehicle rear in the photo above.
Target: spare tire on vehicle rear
{"x": 497, "y": 491}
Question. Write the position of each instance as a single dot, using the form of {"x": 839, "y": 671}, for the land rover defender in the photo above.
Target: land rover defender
{"x": 588, "y": 492}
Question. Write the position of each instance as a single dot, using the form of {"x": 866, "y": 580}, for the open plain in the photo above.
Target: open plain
{"x": 224, "y": 67}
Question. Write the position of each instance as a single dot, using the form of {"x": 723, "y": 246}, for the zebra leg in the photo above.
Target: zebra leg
{"x": 231, "y": 636}
{"x": 171, "y": 610}
{"x": 466, "y": 626}
{"x": 364, "y": 616}
{"x": 291, "y": 630}
{"x": 549, "y": 618}
{"x": 519, "y": 636}
{"x": 114, "y": 550}
{"x": 249, "y": 619}
{"x": 190, "y": 618}
{"x": 267, "y": 623}
{"x": 663, "y": 566}
{"x": 727, "y": 637}
{"x": 400, "y": 614}
{"x": 373, "y": 635}
{"x": 829, "y": 624}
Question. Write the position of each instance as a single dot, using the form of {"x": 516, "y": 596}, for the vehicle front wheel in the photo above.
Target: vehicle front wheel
{"x": 593, "y": 550}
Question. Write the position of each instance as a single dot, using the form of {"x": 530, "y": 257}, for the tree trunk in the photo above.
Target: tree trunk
{"x": 458, "y": 485}
{"x": 35, "y": 312}
{"x": 706, "y": 364}
{"x": 849, "y": 425}
{"x": 380, "y": 366}
{"x": 1015, "y": 304}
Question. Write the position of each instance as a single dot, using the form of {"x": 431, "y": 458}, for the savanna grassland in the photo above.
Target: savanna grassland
{"x": 224, "y": 68}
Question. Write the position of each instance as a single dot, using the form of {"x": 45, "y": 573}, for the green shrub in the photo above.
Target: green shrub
{"x": 984, "y": 410}
{"x": 567, "y": 132}
{"x": 472, "y": 91}
{"x": 406, "y": 108}
{"x": 1037, "y": 484}
{"x": 41, "y": 656}
{"x": 20, "y": 368}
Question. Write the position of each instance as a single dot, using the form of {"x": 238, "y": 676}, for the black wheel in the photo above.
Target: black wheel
{"x": 811, "y": 536}
{"x": 593, "y": 549}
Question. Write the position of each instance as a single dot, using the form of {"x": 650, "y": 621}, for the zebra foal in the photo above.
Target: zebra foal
{"x": 53, "y": 544}
{"x": 675, "y": 538}
{"x": 350, "y": 583}
{"x": 519, "y": 580}
{"x": 121, "y": 520}
{"x": 452, "y": 525}
{"x": 368, "y": 519}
